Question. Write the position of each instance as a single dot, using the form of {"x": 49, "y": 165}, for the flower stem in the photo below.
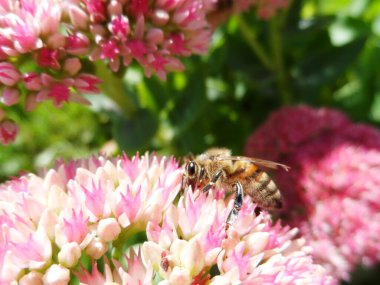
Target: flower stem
{"x": 126, "y": 239}
{"x": 278, "y": 56}
{"x": 251, "y": 39}
{"x": 113, "y": 87}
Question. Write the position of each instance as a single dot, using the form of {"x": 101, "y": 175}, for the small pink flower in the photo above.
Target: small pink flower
{"x": 48, "y": 58}
{"x": 119, "y": 27}
{"x": 59, "y": 93}
{"x": 94, "y": 276}
{"x": 8, "y": 131}
{"x": 136, "y": 274}
{"x": 87, "y": 83}
{"x": 177, "y": 45}
{"x": 72, "y": 227}
{"x": 26, "y": 37}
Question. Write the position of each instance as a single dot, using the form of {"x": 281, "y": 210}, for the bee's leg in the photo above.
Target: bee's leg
{"x": 182, "y": 182}
{"x": 212, "y": 181}
{"x": 232, "y": 216}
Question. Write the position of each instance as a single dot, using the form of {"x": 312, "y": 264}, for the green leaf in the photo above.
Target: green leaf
{"x": 324, "y": 66}
{"x": 135, "y": 134}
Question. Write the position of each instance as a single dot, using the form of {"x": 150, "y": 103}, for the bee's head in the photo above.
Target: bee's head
{"x": 191, "y": 174}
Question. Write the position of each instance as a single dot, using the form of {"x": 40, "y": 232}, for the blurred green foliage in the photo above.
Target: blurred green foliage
{"x": 322, "y": 53}
{"x": 48, "y": 134}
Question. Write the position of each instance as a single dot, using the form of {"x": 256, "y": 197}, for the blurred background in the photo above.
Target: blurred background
{"x": 319, "y": 53}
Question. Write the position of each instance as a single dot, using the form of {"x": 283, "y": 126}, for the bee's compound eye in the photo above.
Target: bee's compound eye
{"x": 191, "y": 168}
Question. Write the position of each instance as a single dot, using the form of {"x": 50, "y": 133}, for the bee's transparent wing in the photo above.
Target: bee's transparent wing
{"x": 258, "y": 161}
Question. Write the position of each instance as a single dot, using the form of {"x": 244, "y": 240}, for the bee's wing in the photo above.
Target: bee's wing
{"x": 260, "y": 162}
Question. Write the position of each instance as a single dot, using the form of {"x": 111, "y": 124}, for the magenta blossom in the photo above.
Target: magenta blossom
{"x": 80, "y": 220}
{"x": 332, "y": 189}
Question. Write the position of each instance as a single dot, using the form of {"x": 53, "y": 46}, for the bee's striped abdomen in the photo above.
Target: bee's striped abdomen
{"x": 264, "y": 191}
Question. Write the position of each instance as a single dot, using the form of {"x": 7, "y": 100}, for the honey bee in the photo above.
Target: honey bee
{"x": 217, "y": 167}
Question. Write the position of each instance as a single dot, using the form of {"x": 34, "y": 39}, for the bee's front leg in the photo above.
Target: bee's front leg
{"x": 232, "y": 216}
{"x": 212, "y": 181}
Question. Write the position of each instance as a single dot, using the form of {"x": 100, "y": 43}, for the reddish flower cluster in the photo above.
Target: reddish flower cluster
{"x": 43, "y": 44}
{"x": 332, "y": 189}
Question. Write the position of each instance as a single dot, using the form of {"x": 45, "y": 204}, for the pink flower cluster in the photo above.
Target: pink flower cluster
{"x": 43, "y": 45}
{"x": 75, "y": 221}
{"x": 192, "y": 239}
{"x": 332, "y": 189}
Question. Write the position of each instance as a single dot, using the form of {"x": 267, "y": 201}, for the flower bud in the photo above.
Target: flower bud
{"x": 8, "y": 131}
{"x": 108, "y": 229}
{"x": 192, "y": 257}
{"x": 72, "y": 66}
{"x": 9, "y": 75}
{"x": 32, "y": 81}
{"x": 11, "y": 96}
{"x": 56, "y": 275}
{"x": 78, "y": 16}
{"x": 115, "y": 8}
{"x": 155, "y": 36}
{"x": 56, "y": 41}
{"x": 160, "y": 17}
{"x": 69, "y": 254}
{"x": 97, "y": 248}
{"x": 48, "y": 58}
{"x": 32, "y": 278}
{"x": 77, "y": 44}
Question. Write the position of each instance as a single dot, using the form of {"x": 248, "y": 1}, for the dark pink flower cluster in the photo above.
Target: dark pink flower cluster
{"x": 333, "y": 187}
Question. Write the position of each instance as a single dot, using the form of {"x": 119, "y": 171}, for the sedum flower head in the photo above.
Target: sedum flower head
{"x": 191, "y": 240}
{"x": 45, "y": 44}
{"x": 332, "y": 189}
{"x": 118, "y": 221}
{"x": 76, "y": 210}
